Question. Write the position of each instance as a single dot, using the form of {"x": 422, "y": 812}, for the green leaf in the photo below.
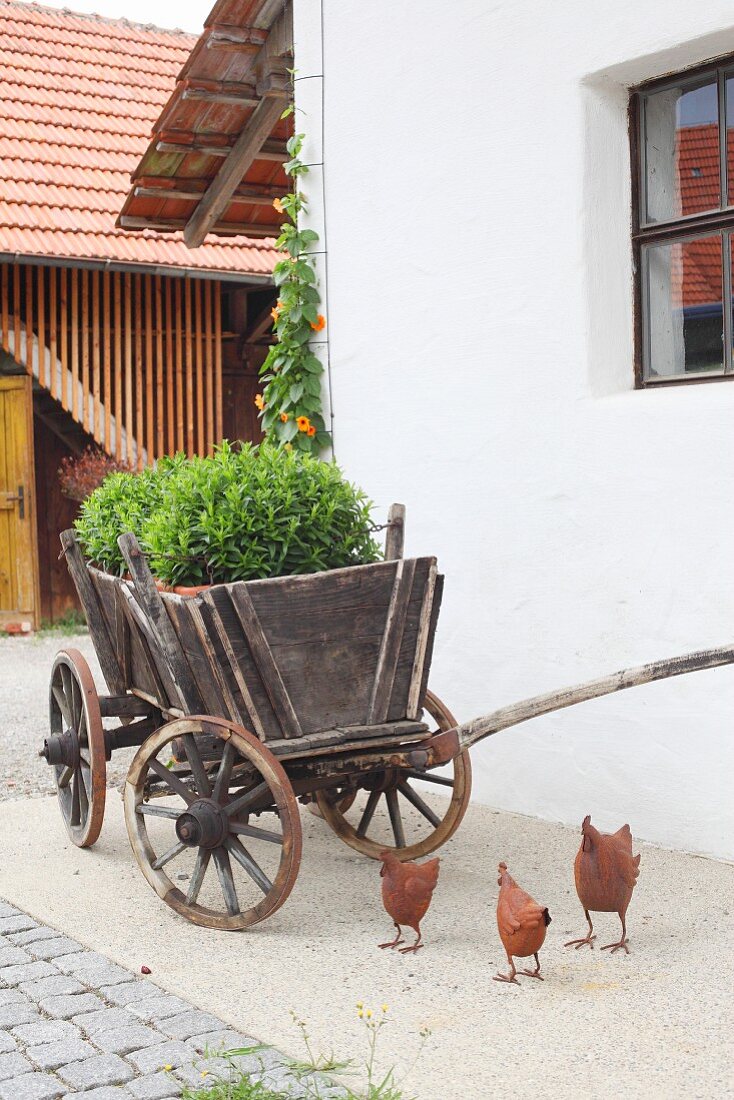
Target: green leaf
{"x": 296, "y": 392}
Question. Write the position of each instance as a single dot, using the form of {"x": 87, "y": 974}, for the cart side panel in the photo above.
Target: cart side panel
{"x": 310, "y": 653}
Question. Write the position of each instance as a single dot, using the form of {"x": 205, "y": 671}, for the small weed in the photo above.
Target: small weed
{"x": 71, "y": 622}
{"x": 309, "y": 1074}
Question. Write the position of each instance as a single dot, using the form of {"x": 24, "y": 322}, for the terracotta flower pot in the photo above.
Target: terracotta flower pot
{"x": 182, "y": 589}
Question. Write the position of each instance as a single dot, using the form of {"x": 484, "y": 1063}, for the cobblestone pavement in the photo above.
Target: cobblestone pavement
{"x": 72, "y": 1023}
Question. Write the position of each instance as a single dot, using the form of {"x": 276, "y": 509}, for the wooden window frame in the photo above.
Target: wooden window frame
{"x": 680, "y": 229}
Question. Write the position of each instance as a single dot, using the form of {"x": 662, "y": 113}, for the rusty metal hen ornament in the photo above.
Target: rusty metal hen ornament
{"x": 407, "y": 889}
{"x": 606, "y": 873}
{"x": 522, "y": 924}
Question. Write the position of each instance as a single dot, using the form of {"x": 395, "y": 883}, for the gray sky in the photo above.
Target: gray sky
{"x": 189, "y": 15}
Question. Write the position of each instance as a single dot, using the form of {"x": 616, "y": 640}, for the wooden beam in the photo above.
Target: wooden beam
{"x": 76, "y": 412}
{"x": 229, "y": 176}
{"x": 159, "y": 396}
{"x": 5, "y": 309}
{"x": 106, "y": 355}
{"x": 170, "y": 372}
{"x": 271, "y": 150}
{"x": 96, "y": 384}
{"x": 178, "y": 225}
{"x": 209, "y": 366}
{"x": 117, "y": 381}
{"x": 240, "y": 39}
{"x": 178, "y": 326}
{"x": 222, "y": 91}
{"x": 128, "y": 357}
{"x": 41, "y": 326}
{"x": 157, "y": 187}
{"x": 218, "y": 427}
{"x": 190, "y": 444}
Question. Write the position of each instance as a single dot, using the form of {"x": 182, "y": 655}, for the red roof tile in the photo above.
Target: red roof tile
{"x": 73, "y": 126}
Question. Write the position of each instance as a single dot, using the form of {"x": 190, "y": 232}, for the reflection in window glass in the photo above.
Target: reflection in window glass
{"x": 682, "y": 151}
{"x": 684, "y": 307}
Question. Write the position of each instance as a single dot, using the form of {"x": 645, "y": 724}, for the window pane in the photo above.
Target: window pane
{"x": 682, "y": 151}
{"x": 730, "y": 137}
{"x": 684, "y": 307}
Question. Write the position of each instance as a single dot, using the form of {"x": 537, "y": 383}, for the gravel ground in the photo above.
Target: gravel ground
{"x": 26, "y": 670}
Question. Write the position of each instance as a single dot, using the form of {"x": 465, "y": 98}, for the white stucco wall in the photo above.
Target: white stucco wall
{"x": 477, "y": 200}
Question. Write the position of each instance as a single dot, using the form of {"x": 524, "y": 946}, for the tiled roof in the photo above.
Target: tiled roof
{"x": 78, "y": 97}
{"x": 235, "y": 82}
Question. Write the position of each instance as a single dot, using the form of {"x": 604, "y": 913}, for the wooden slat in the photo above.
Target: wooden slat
{"x": 103, "y": 643}
{"x": 149, "y": 370}
{"x": 391, "y": 640}
{"x": 218, "y": 362}
{"x": 64, "y": 336}
{"x": 127, "y": 350}
{"x": 147, "y": 648}
{"x": 170, "y": 373}
{"x": 252, "y": 717}
{"x": 209, "y": 366}
{"x": 159, "y": 390}
{"x": 96, "y": 358}
{"x": 421, "y": 647}
{"x": 85, "y": 349}
{"x": 139, "y": 396}
{"x": 16, "y": 312}
{"x": 215, "y": 668}
{"x": 29, "y": 318}
{"x": 52, "y": 327}
{"x": 41, "y": 326}
{"x": 200, "y": 440}
{"x": 117, "y": 385}
{"x": 74, "y": 319}
{"x": 5, "y": 308}
{"x": 154, "y": 609}
{"x": 190, "y": 427}
{"x": 263, "y": 658}
{"x": 106, "y": 364}
{"x": 180, "y": 404}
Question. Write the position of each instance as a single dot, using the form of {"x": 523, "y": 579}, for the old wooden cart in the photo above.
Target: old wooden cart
{"x": 248, "y": 697}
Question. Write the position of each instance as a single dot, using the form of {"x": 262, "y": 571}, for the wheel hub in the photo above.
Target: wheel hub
{"x": 202, "y": 825}
{"x": 61, "y": 749}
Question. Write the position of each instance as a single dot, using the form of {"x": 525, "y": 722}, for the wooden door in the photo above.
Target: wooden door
{"x": 18, "y": 566}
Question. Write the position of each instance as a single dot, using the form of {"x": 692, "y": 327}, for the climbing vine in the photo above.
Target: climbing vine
{"x": 290, "y": 403}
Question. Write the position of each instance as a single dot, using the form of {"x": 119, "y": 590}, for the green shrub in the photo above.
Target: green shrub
{"x": 244, "y": 513}
{"x": 121, "y": 503}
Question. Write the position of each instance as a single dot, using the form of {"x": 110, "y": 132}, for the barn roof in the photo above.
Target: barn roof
{"x": 215, "y": 163}
{"x": 78, "y": 97}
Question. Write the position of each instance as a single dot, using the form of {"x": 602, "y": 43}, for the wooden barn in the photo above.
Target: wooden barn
{"x": 112, "y": 334}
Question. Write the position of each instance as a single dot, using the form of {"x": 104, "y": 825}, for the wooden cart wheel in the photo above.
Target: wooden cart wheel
{"x": 206, "y": 818}
{"x": 410, "y": 840}
{"x": 76, "y": 747}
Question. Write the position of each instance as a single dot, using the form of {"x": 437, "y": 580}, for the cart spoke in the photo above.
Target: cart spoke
{"x": 75, "y": 818}
{"x": 224, "y": 871}
{"x": 172, "y": 852}
{"x": 221, "y": 783}
{"x": 246, "y": 800}
{"x": 62, "y": 704}
{"x": 171, "y": 780}
{"x": 422, "y": 807}
{"x": 66, "y": 688}
{"x": 369, "y": 813}
{"x": 245, "y": 860}
{"x": 200, "y": 867}
{"x": 395, "y": 819}
{"x": 442, "y": 780}
{"x": 76, "y": 703}
{"x": 197, "y": 765}
{"x": 149, "y": 810}
{"x": 81, "y": 729}
{"x": 83, "y": 794}
{"x": 255, "y": 833}
{"x": 84, "y": 760}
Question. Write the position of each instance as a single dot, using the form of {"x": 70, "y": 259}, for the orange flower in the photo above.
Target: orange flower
{"x": 319, "y": 323}
{"x": 278, "y": 206}
{"x": 260, "y": 402}
{"x": 303, "y": 423}
{"x": 311, "y": 430}
{"x": 275, "y": 314}
{"x": 284, "y": 417}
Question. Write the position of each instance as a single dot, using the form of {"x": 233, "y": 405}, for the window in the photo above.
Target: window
{"x": 683, "y": 147}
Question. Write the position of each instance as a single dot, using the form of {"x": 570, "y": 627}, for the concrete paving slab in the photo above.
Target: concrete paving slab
{"x": 658, "y": 1023}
